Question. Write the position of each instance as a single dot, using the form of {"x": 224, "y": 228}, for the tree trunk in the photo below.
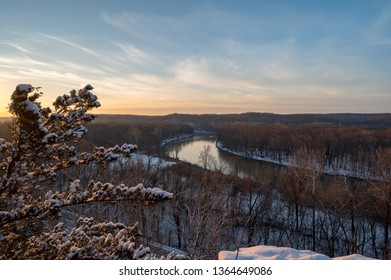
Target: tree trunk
{"x": 177, "y": 220}
{"x": 386, "y": 249}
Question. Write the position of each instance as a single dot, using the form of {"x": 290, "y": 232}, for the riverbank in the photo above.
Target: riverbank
{"x": 284, "y": 161}
{"x": 249, "y": 155}
{"x": 345, "y": 171}
{"x": 184, "y": 137}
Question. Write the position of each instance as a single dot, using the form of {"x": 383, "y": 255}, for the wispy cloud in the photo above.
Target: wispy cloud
{"x": 262, "y": 67}
{"x": 185, "y": 34}
{"x": 19, "y": 62}
{"x": 17, "y": 46}
{"x": 145, "y": 26}
{"x": 132, "y": 53}
{"x": 69, "y": 43}
{"x": 378, "y": 32}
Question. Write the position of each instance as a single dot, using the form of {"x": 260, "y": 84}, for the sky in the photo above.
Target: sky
{"x": 160, "y": 57}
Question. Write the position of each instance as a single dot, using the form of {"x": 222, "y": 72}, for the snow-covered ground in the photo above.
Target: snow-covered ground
{"x": 176, "y": 138}
{"x": 280, "y": 253}
{"x": 182, "y": 137}
{"x": 149, "y": 162}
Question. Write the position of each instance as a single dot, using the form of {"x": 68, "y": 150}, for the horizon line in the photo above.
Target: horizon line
{"x": 222, "y": 114}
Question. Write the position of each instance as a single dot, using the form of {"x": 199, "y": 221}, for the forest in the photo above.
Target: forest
{"x": 55, "y": 202}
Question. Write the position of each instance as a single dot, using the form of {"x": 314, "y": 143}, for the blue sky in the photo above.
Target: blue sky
{"x": 160, "y": 57}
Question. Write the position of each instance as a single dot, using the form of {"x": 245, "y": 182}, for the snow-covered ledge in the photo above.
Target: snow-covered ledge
{"x": 280, "y": 253}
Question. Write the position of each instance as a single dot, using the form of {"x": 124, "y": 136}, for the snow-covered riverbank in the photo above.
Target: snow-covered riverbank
{"x": 288, "y": 161}
{"x": 183, "y": 137}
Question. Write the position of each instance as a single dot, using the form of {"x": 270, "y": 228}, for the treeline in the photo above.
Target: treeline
{"x": 339, "y": 149}
{"x": 205, "y": 121}
{"x": 5, "y": 130}
{"x": 147, "y": 135}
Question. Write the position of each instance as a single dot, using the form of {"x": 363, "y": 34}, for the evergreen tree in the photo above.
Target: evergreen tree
{"x": 41, "y": 147}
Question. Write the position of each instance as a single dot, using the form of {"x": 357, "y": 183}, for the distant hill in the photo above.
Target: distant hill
{"x": 5, "y": 119}
{"x": 205, "y": 120}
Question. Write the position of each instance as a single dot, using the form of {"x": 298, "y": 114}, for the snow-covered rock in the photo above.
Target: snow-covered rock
{"x": 353, "y": 257}
{"x": 280, "y": 253}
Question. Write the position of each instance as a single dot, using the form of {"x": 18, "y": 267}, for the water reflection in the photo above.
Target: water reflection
{"x": 191, "y": 150}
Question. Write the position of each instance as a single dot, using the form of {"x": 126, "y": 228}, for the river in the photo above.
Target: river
{"x": 189, "y": 150}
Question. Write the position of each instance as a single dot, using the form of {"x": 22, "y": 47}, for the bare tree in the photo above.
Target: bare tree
{"x": 293, "y": 191}
{"x": 383, "y": 195}
{"x": 206, "y": 158}
{"x": 308, "y": 166}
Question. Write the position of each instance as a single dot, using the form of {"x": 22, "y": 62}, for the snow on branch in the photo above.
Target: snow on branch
{"x": 88, "y": 240}
{"x": 107, "y": 155}
{"x": 94, "y": 192}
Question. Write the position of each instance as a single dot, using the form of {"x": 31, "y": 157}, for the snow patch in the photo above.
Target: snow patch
{"x": 159, "y": 192}
{"x": 25, "y": 88}
{"x": 353, "y": 257}
{"x": 32, "y": 107}
{"x": 176, "y": 138}
{"x": 280, "y": 253}
{"x": 151, "y": 161}
{"x": 51, "y": 137}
